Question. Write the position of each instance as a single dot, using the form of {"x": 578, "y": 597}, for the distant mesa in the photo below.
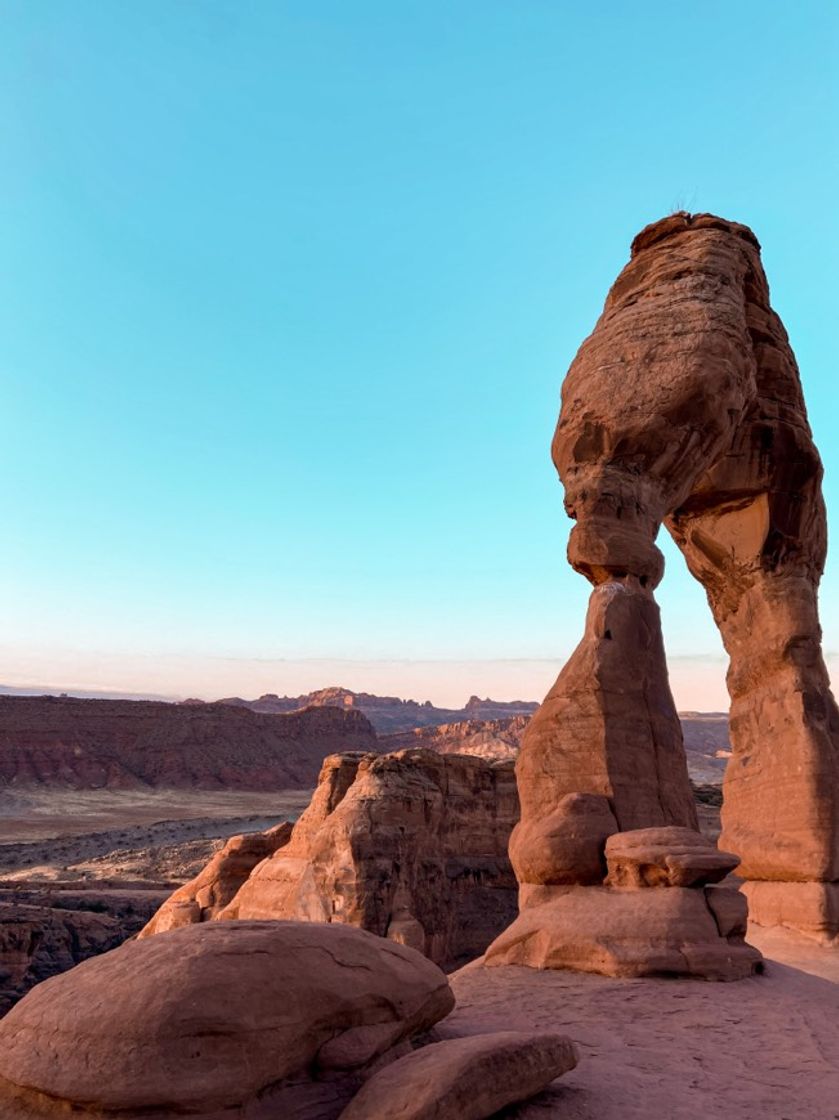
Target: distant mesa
{"x": 274, "y": 742}
{"x": 124, "y": 744}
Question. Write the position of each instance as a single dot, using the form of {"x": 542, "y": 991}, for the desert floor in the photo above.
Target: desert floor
{"x": 760, "y": 1049}
{"x": 128, "y": 833}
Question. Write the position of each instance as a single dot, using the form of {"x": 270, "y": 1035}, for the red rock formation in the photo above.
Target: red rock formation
{"x": 238, "y": 1018}
{"x": 656, "y": 914}
{"x": 36, "y": 942}
{"x": 464, "y": 1078}
{"x": 485, "y": 738}
{"x": 47, "y": 928}
{"x": 684, "y": 406}
{"x": 215, "y": 886}
{"x": 90, "y": 744}
{"x": 411, "y": 846}
{"x": 609, "y": 727}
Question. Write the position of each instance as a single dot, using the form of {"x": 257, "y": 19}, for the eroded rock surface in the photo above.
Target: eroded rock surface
{"x": 411, "y": 846}
{"x": 38, "y": 941}
{"x": 215, "y": 886}
{"x": 684, "y": 408}
{"x": 665, "y": 857}
{"x": 464, "y": 1078}
{"x": 257, "y": 1018}
{"x": 659, "y": 932}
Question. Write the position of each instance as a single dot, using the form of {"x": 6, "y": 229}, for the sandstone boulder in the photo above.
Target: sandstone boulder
{"x": 464, "y": 1078}
{"x": 567, "y": 845}
{"x": 665, "y": 857}
{"x": 627, "y": 933}
{"x": 257, "y": 1018}
{"x": 217, "y": 883}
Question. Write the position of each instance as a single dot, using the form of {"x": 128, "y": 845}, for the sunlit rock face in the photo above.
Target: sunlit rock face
{"x": 684, "y": 408}
{"x": 411, "y": 846}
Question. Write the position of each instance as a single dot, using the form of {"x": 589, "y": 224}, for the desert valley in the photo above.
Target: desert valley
{"x": 107, "y": 806}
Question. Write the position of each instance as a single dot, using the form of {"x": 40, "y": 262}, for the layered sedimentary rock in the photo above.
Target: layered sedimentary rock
{"x": 255, "y": 1019}
{"x": 411, "y": 846}
{"x": 36, "y": 942}
{"x": 657, "y": 913}
{"x": 94, "y": 744}
{"x": 486, "y": 738}
{"x": 684, "y": 408}
{"x": 388, "y": 714}
{"x": 215, "y": 886}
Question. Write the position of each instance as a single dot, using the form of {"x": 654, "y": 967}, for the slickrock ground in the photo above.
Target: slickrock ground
{"x": 765, "y": 1048}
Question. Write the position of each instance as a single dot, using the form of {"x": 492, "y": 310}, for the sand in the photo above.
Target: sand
{"x": 760, "y": 1049}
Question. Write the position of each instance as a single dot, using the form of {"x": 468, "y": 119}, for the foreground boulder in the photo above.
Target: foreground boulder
{"x": 464, "y": 1078}
{"x": 244, "y": 1019}
{"x": 411, "y": 846}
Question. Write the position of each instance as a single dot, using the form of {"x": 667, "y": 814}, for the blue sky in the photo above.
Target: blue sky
{"x": 289, "y": 290}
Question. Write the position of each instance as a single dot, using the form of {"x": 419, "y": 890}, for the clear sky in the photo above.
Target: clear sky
{"x": 288, "y": 292}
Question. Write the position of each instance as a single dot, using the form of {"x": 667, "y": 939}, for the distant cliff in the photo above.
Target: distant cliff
{"x": 387, "y": 713}
{"x": 91, "y": 744}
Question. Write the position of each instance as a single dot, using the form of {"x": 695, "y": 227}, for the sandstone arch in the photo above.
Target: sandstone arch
{"x": 684, "y": 408}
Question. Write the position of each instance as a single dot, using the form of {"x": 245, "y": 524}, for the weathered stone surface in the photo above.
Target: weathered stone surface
{"x": 812, "y": 908}
{"x": 217, "y": 883}
{"x": 730, "y": 909}
{"x": 684, "y": 408}
{"x": 411, "y": 846}
{"x": 38, "y": 941}
{"x": 665, "y": 857}
{"x": 625, "y": 933}
{"x": 218, "y": 1016}
{"x": 567, "y": 845}
{"x": 608, "y": 728}
{"x": 464, "y": 1078}
{"x": 128, "y": 744}
{"x": 487, "y": 738}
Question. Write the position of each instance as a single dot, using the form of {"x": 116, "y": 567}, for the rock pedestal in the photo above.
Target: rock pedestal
{"x": 657, "y": 913}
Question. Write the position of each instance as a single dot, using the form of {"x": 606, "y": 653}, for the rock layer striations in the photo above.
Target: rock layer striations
{"x": 684, "y": 408}
{"x": 411, "y": 846}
